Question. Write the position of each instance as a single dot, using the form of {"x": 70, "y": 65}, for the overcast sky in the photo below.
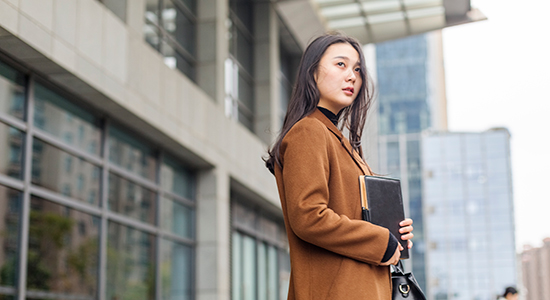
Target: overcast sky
{"x": 498, "y": 75}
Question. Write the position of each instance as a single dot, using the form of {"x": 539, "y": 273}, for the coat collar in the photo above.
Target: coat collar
{"x": 317, "y": 114}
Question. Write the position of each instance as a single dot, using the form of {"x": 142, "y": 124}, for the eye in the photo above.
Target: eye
{"x": 358, "y": 70}
{"x": 341, "y": 64}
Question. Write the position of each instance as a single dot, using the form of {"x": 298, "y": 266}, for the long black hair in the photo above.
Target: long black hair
{"x": 305, "y": 95}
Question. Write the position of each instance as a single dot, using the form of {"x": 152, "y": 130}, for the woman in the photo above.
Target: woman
{"x": 334, "y": 254}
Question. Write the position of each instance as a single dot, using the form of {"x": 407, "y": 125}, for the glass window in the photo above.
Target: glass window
{"x": 241, "y": 47}
{"x": 131, "y": 199}
{"x": 48, "y": 160}
{"x": 249, "y": 268}
{"x": 65, "y": 120}
{"x": 11, "y": 151}
{"x": 260, "y": 265}
{"x": 10, "y": 211}
{"x": 171, "y": 28}
{"x": 127, "y": 152}
{"x": 178, "y": 23}
{"x": 151, "y": 26}
{"x": 176, "y": 271}
{"x": 130, "y": 263}
{"x": 62, "y": 258}
{"x": 236, "y": 266}
{"x": 177, "y": 179}
{"x": 177, "y": 218}
{"x": 174, "y": 58}
{"x": 12, "y": 92}
{"x": 394, "y": 159}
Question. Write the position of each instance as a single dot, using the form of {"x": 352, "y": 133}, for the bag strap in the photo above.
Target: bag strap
{"x": 398, "y": 269}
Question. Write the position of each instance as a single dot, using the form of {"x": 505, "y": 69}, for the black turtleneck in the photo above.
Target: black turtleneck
{"x": 330, "y": 115}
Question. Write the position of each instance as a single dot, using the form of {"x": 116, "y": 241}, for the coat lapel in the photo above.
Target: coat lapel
{"x": 343, "y": 141}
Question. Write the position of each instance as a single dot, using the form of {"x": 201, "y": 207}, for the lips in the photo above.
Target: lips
{"x": 348, "y": 90}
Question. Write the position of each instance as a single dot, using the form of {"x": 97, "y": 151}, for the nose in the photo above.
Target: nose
{"x": 352, "y": 76}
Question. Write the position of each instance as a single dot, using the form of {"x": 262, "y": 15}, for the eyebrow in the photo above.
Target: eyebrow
{"x": 346, "y": 58}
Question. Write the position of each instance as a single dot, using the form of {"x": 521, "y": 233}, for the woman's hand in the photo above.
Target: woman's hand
{"x": 406, "y": 231}
{"x": 395, "y": 258}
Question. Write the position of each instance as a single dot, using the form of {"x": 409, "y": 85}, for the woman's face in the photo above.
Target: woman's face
{"x": 512, "y": 296}
{"x": 338, "y": 77}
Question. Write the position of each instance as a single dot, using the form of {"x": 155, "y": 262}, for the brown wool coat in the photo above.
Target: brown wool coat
{"x": 334, "y": 254}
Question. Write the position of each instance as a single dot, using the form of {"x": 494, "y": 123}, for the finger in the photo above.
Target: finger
{"x": 410, "y": 244}
{"x": 406, "y": 222}
{"x": 400, "y": 247}
{"x": 407, "y": 236}
{"x": 406, "y": 229}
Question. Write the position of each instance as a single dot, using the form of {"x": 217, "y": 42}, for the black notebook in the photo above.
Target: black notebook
{"x": 382, "y": 205}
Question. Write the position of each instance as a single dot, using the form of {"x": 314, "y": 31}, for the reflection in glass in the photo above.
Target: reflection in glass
{"x": 131, "y": 154}
{"x": 63, "y": 250}
{"x": 12, "y": 92}
{"x": 64, "y": 173}
{"x": 174, "y": 59}
{"x": 151, "y": 24}
{"x": 177, "y": 179}
{"x": 249, "y": 268}
{"x": 10, "y": 210}
{"x": 11, "y": 151}
{"x": 130, "y": 263}
{"x": 236, "y": 266}
{"x": 66, "y": 121}
{"x": 176, "y": 271}
{"x": 177, "y": 218}
{"x": 180, "y": 26}
{"x": 130, "y": 199}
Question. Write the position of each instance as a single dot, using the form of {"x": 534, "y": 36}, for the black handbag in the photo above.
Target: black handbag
{"x": 405, "y": 285}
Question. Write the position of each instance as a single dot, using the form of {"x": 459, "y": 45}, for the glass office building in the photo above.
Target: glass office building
{"x": 411, "y": 99}
{"x": 469, "y": 214}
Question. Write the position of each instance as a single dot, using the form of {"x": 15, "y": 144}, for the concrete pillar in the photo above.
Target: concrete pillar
{"x": 266, "y": 71}
{"x": 213, "y": 236}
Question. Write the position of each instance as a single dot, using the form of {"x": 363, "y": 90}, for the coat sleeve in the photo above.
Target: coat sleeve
{"x": 305, "y": 174}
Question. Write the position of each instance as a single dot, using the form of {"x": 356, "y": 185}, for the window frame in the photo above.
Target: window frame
{"x": 99, "y": 210}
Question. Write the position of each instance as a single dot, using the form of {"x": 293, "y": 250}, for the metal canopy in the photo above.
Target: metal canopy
{"x": 373, "y": 21}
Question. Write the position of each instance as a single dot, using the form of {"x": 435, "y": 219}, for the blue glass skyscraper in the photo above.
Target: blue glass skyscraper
{"x": 469, "y": 214}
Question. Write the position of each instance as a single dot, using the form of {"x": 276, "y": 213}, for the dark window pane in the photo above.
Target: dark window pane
{"x": 12, "y": 92}
{"x": 63, "y": 250}
{"x": 130, "y": 263}
{"x": 66, "y": 121}
{"x": 118, "y": 7}
{"x": 180, "y": 26}
{"x": 152, "y": 35}
{"x": 11, "y": 151}
{"x": 176, "y": 271}
{"x": 244, "y": 51}
{"x": 64, "y": 173}
{"x": 130, "y": 199}
{"x": 177, "y": 179}
{"x": 152, "y": 11}
{"x": 10, "y": 210}
{"x": 129, "y": 153}
{"x": 243, "y": 10}
{"x": 177, "y": 218}
{"x": 173, "y": 59}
